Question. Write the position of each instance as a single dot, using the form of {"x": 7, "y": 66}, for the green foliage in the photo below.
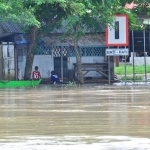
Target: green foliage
{"x": 88, "y": 16}
{"x": 73, "y": 83}
{"x": 141, "y": 8}
{"x": 148, "y": 13}
{"x": 128, "y": 78}
{"x": 80, "y": 13}
{"x": 78, "y": 8}
{"x": 35, "y": 50}
{"x": 129, "y": 69}
{"x": 14, "y": 11}
{"x": 4, "y": 81}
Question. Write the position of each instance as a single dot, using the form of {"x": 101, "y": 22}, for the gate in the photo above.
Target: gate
{"x": 60, "y": 61}
{"x": 8, "y": 60}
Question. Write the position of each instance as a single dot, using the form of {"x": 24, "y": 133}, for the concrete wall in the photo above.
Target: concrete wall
{"x": 139, "y": 61}
{"x": 46, "y": 64}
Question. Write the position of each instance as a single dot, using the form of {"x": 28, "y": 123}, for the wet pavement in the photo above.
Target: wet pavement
{"x": 92, "y": 116}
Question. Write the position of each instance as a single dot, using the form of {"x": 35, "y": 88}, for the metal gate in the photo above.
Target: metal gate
{"x": 60, "y": 61}
{"x": 8, "y": 60}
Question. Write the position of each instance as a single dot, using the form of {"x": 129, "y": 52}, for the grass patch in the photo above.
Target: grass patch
{"x": 129, "y": 69}
{"x": 128, "y": 78}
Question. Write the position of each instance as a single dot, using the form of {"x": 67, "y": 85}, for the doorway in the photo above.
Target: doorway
{"x": 57, "y": 66}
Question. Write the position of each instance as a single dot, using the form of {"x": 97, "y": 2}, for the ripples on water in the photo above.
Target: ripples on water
{"x": 88, "y": 117}
{"x": 74, "y": 143}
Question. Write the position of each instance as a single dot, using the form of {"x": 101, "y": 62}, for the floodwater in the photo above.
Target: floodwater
{"x": 89, "y": 117}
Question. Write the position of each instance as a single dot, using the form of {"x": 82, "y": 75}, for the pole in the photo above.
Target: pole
{"x": 109, "y": 68}
{"x": 61, "y": 63}
{"x": 16, "y": 62}
{"x": 133, "y": 56}
{"x": 125, "y": 69}
{"x": 145, "y": 57}
{"x": 117, "y": 59}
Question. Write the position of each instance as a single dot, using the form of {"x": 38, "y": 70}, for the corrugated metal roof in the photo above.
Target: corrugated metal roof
{"x": 7, "y": 28}
{"x": 88, "y": 40}
{"x": 62, "y": 29}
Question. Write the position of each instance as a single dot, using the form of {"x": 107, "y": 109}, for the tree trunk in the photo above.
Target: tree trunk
{"x": 78, "y": 62}
{"x": 30, "y": 54}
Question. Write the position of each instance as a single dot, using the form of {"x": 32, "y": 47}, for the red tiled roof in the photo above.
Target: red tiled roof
{"x": 131, "y": 6}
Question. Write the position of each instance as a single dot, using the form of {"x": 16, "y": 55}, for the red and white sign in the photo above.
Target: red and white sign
{"x": 117, "y": 35}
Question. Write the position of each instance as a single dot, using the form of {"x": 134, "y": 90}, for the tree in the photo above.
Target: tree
{"x": 142, "y": 8}
{"x": 80, "y": 16}
{"x": 76, "y": 16}
{"x": 45, "y": 12}
{"x": 31, "y": 16}
{"x": 10, "y": 11}
{"x": 92, "y": 15}
{"x": 87, "y": 16}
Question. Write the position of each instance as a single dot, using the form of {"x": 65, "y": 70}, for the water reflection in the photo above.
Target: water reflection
{"x": 93, "y": 116}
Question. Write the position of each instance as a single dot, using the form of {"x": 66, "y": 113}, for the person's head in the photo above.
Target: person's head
{"x": 36, "y": 68}
{"x": 52, "y": 72}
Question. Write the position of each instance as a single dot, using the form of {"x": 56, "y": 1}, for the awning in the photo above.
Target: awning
{"x": 20, "y": 39}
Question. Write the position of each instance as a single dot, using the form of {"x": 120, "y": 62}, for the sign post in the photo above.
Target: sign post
{"x": 125, "y": 69}
{"x": 117, "y": 35}
{"x": 145, "y": 57}
{"x": 117, "y": 52}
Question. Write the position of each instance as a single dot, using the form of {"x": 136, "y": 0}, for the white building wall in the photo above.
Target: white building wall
{"x": 139, "y": 61}
{"x": 46, "y": 64}
{"x": 21, "y": 64}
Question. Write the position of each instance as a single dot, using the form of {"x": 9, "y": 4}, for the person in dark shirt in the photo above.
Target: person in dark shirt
{"x": 55, "y": 79}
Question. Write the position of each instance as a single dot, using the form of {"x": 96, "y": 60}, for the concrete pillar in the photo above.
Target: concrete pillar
{"x": 131, "y": 57}
{"x": 116, "y": 61}
{"x": 133, "y": 54}
{"x": 1, "y": 63}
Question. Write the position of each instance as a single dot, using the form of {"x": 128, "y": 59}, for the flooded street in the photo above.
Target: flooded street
{"x": 52, "y": 117}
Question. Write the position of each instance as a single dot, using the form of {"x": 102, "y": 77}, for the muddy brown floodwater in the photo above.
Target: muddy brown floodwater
{"x": 52, "y": 117}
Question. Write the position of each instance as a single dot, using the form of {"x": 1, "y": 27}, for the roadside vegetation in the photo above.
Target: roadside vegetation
{"x": 139, "y": 72}
{"x": 129, "y": 69}
{"x": 131, "y": 78}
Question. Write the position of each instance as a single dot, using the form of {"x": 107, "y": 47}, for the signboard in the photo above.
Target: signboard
{"x": 117, "y": 33}
{"x": 117, "y": 52}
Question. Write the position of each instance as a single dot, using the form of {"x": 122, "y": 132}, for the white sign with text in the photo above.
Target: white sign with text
{"x": 117, "y": 52}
